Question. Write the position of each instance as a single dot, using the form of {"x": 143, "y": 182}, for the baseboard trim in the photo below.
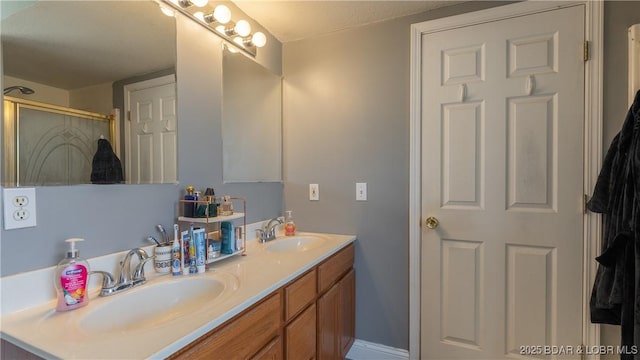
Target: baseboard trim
{"x": 365, "y": 350}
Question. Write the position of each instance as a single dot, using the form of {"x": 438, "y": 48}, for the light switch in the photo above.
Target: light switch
{"x": 361, "y": 191}
{"x": 314, "y": 192}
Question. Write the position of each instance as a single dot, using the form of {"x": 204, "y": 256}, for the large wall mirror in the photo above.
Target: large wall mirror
{"x": 78, "y": 72}
{"x": 251, "y": 121}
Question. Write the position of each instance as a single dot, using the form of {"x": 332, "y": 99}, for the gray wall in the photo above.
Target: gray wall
{"x": 118, "y": 217}
{"x": 346, "y": 121}
{"x": 618, "y": 16}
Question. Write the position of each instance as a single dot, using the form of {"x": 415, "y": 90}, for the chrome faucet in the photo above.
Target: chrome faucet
{"x": 126, "y": 279}
{"x": 268, "y": 231}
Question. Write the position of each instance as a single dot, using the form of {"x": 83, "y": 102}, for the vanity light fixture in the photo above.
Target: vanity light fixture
{"x": 221, "y": 14}
{"x": 219, "y": 22}
{"x": 167, "y": 11}
{"x": 188, "y": 3}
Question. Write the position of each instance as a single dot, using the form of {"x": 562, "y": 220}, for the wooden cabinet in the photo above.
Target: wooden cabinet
{"x": 299, "y": 294}
{"x": 273, "y": 351}
{"x": 300, "y": 336}
{"x": 336, "y": 314}
{"x": 312, "y": 317}
{"x": 240, "y": 338}
{"x": 347, "y": 312}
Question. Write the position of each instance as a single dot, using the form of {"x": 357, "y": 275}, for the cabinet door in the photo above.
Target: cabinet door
{"x": 347, "y": 315}
{"x": 328, "y": 331}
{"x": 301, "y": 336}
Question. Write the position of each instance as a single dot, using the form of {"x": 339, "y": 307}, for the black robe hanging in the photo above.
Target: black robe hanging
{"x": 615, "y": 298}
{"x": 106, "y": 167}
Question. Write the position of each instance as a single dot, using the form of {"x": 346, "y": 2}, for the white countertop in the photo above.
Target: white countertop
{"x": 41, "y": 330}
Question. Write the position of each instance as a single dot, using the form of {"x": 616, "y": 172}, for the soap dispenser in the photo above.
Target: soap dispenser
{"x": 71, "y": 279}
{"x": 289, "y": 225}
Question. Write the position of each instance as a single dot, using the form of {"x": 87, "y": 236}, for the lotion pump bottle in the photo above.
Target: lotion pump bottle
{"x": 71, "y": 279}
{"x": 289, "y": 226}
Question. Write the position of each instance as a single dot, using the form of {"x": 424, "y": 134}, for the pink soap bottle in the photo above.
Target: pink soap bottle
{"x": 71, "y": 279}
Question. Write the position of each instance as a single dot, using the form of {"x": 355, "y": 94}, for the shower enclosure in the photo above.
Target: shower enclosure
{"x": 50, "y": 145}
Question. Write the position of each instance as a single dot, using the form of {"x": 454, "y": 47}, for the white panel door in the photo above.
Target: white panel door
{"x": 152, "y": 151}
{"x": 502, "y": 150}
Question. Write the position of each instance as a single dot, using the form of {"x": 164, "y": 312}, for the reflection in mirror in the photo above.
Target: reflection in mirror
{"x": 88, "y": 63}
{"x": 251, "y": 121}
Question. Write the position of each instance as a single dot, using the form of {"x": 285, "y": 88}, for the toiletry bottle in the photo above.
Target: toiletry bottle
{"x": 184, "y": 251}
{"x": 289, "y": 226}
{"x": 190, "y": 207}
{"x": 71, "y": 279}
{"x": 201, "y": 207}
{"x": 227, "y": 206}
{"x": 200, "y": 235}
{"x": 212, "y": 210}
{"x": 228, "y": 237}
{"x": 176, "y": 269}
{"x": 193, "y": 269}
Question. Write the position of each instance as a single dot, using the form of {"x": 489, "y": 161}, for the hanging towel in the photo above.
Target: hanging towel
{"x": 106, "y": 167}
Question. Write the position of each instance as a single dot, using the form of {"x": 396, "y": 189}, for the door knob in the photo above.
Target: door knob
{"x": 432, "y": 222}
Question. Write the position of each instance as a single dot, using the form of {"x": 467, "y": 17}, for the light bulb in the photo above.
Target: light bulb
{"x": 165, "y": 10}
{"x": 238, "y": 40}
{"x": 199, "y": 3}
{"x": 221, "y": 29}
{"x": 222, "y": 14}
{"x": 259, "y": 39}
{"x": 199, "y": 15}
{"x": 243, "y": 28}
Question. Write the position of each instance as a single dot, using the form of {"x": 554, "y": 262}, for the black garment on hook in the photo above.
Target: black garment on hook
{"x": 615, "y": 298}
{"x": 106, "y": 167}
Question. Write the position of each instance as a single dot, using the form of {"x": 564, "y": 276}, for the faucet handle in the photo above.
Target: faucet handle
{"x": 139, "y": 272}
{"x": 107, "y": 279}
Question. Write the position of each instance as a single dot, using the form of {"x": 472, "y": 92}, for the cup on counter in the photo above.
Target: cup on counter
{"x": 213, "y": 248}
{"x": 162, "y": 259}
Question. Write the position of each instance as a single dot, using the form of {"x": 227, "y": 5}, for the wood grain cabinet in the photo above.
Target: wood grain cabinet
{"x": 311, "y": 317}
{"x": 336, "y": 305}
{"x": 242, "y": 337}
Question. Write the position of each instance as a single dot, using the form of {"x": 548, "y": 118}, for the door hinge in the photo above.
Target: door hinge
{"x": 585, "y": 56}
{"x": 129, "y": 115}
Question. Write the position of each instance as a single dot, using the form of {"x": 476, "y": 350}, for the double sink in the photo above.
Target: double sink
{"x": 166, "y": 299}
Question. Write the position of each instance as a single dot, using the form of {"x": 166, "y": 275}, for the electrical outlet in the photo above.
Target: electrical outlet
{"x": 314, "y": 192}
{"x": 20, "y": 201}
{"x": 19, "y": 208}
{"x": 20, "y": 215}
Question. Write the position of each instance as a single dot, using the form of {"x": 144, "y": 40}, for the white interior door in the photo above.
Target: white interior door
{"x": 152, "y": 141}
{"x": 502, "y": 171}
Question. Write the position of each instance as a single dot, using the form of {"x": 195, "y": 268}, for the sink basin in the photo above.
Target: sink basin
{"x": 295, "y": 244}
{"x": 155, "y": 303}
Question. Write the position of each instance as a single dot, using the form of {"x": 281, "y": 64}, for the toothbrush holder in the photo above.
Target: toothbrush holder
{"x": 162, "y": 259}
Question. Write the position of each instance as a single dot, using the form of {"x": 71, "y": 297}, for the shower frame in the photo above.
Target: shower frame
{"x": 11, "y": 122}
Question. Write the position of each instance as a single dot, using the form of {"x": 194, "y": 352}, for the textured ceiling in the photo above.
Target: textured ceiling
{"x": 295, "y": 20}
{"x": 73, "y": 44}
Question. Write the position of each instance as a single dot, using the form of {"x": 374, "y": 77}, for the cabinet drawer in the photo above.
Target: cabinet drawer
{"x": 333, "y": 268}
{"x": 242, "y": 337}
{"x": 299, "y": 294}
{"x": 273, "y": 351}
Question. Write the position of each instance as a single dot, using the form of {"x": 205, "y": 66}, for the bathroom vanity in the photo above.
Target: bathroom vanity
{"x": 287, "y": 298}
